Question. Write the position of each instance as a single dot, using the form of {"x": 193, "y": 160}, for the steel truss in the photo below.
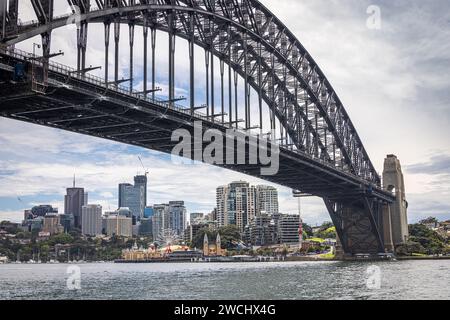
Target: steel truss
{"x": 257, "y": 48}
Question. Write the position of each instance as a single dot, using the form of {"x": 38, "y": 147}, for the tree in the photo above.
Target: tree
{"x": 307, "y": 231}
{"x": 410, "y": 248}
{"x": 229, "y": 235}
{"x": 428, "y": 239}
{"x": 197, "y": 241}
{"x": 329, "y": 233}
{"x": 23, "y": 235}
{"x": 62, "y": 238}
{"x": 429, "y": 220}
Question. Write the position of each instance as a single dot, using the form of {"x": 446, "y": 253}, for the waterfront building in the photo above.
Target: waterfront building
{"x": 238, "y": 202}
{"x": 134, "y": 196}
{"x": 91, "y": 220}
{"x": 140, "y": 254}
{"x": 51, "y": 225}
{"x": 213, "y": 250}
{"x": 267, "y": 199}
{"x": 261, "y": 231}
{"x": 120, "y": 226}
{"x": 288, "y": 229}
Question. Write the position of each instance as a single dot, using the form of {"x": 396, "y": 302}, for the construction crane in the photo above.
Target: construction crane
{"x": 143, "y": 167}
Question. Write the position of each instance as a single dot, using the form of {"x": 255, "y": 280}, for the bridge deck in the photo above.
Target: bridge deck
{"x": 85, "y": 106}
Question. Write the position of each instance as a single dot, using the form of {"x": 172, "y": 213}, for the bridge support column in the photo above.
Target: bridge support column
{"x": 153, "y": 38}
{"x": 207, "y": 80}
{"x": 107, "y": 36}
{"x": 131, "y": 38}
{"x": 387, "y": 228}
{"x": 82, "y": 46}
{"x": 222, "y": 72}
{"x": 213, "y": 101}
{"x": 246, "y": 91}
{"x": 339, "y": 253}
{"x": 230, "y": 86}
{"x": 171, "y": 59}
{"x": 145, "y": 35}
{"x": 357, "y": 225}
{"x": 192, "y": 63}
{"x": 116, "y": 51}
{"x": 3, "y": 19}
{"x": 393, "y": 181}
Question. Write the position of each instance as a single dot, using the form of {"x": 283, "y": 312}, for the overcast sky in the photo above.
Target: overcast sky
{"x": 394, "y": 82}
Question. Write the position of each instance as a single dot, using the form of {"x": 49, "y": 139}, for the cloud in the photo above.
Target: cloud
{"x": 438, "y": 165}
{"x": 12, "y": 216}
{"x": 392, "y": 82}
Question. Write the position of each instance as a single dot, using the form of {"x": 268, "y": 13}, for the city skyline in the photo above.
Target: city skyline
{"x": 38, "y": 160}
{"x": 199, "y": 153}
{"x": 265, "y": 200}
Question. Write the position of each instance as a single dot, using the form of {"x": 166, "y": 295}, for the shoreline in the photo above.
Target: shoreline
{"x": 287, "y": 259}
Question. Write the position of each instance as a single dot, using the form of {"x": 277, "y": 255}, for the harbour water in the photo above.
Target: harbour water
{"x": 190, "y": 281}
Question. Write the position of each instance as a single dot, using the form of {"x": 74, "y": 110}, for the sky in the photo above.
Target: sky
{"x": 393, "y": 81}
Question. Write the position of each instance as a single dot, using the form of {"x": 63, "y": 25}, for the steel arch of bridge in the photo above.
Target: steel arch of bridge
{"x": 259, "y": 48}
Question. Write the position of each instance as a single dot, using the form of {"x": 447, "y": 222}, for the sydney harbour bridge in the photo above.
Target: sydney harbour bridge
{"x": 321, "y": 153}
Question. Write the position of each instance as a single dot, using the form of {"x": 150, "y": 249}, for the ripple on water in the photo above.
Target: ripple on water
{"x": 293, "y": 280}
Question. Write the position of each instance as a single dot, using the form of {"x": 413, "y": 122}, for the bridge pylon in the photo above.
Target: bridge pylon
{"x": 395, "y": 214}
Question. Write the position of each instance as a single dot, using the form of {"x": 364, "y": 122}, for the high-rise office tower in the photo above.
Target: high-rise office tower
{"x": 134, "y": 196}
{"x": 74, "y": 200}
{"x": 160, "y": 219}
{"x": 171, "y": 217}
{"x": 141, "y": 181}
{"x": 122, "y": 193}
{"x": 177, "y": 217}
{"x": 91, "y": 220}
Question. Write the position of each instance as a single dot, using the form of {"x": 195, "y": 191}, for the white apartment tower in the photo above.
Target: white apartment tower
{"x": 91, "y": 220}
{"x": 267, "y": 199}
{"x": 237, "y": 204}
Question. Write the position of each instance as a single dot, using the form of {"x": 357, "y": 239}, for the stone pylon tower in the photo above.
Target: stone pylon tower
{"x": 205, "y": 246}
{"x": 218, "y": 245}
{"x": 395, "y": 221}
